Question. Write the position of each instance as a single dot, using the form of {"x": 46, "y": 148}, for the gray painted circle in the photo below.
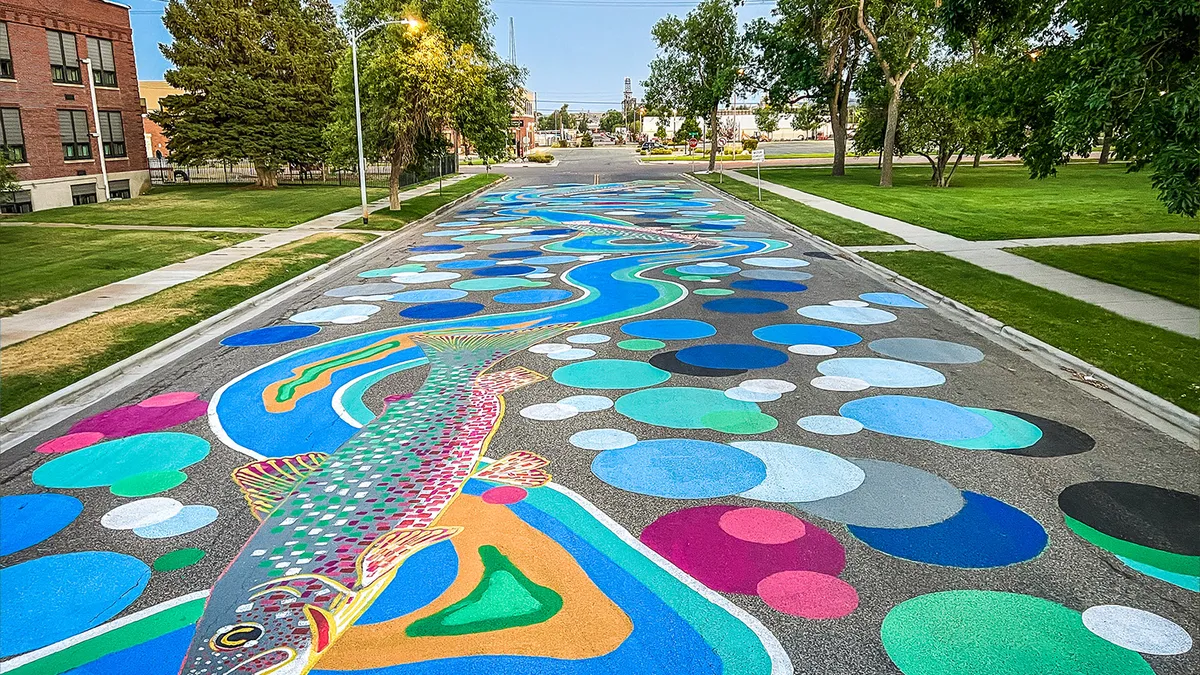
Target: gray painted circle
{"x": 505, "y": 246}
{"x": 893, "y": 496}
{"x": 775, "y": 274}
{"x": 925, "y": 350}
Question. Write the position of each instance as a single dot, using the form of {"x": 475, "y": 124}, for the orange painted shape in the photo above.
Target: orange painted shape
{"x": 271, "y": 393}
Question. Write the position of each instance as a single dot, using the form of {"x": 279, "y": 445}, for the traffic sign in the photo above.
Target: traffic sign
{"x": 515, "y": 122}
{"x": 692, "y": 143}
{"x": 757, "y": 156}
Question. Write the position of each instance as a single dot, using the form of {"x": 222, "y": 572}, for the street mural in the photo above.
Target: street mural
{"x": 383, "y": 521}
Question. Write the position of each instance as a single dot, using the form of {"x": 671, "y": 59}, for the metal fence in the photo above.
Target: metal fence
{"x": 164, "y": 172}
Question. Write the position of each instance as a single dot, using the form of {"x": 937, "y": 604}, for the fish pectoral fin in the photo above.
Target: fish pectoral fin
{"x": 504, "y": 381}
{"x": 265, "y": 483}
{"x": 521, "y": 468}
{"x": 389, "y": 550}
{"x": 322, "y": 625}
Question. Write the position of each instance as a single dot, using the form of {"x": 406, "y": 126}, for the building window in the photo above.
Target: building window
{"x": 12, "y": 141}
{"x": 112, "y": 133}
{"x": 83, "y": 194}
{"x": 104, "y": 69}
{"x": 73, "y": 130}
{"x": 118, "y": 189}
{"x": 64, "y": 60}
{"x": 6, "y": 66}
{"x": 17, "y": 201}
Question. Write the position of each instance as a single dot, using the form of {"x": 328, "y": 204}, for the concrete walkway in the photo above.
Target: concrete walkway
{"x": 54, "y": 315}
{"x": 991, "y": 255}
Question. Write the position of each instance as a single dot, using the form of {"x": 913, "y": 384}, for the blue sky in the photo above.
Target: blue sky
{"x": 577, "y": 51}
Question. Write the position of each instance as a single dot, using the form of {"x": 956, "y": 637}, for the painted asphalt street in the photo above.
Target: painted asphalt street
{"x": 761, "y": 461}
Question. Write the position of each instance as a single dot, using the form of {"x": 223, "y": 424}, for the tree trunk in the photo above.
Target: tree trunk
{"x": 712, "y": 156}
{"x": 889, "y": 136}
{"x": 394, "y": 185}
{"x": 975, "y": 163}
{"x": 1106, "y": 147}
{"x": 266, "y": 176}
{"x": 837, "y": 121}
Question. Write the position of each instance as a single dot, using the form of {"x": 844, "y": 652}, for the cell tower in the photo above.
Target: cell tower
{"x": 512, "y": 43}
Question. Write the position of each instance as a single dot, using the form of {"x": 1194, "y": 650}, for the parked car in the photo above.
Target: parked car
{"x": 650, "y": 145}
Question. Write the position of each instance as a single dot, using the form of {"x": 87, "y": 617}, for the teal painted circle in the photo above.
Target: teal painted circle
{"x": 610, "y": 374}
{"x": 496, "y": 284}
{"x": 1009, "y": 432}
{"x": 106, "y": 463}
{"x": 669, "y": 329}
{"x": 681, "y": 407}
{"x": 641, "y": 344}
{"x": 475, "y": 237}
{"x": 390, "y": 271}
{"x": 713, "y": 291}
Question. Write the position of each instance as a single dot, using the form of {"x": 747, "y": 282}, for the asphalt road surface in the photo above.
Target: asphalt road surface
{"x": 762, "y": 461}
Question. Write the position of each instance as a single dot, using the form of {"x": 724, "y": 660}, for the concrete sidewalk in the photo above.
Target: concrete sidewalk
{"x": 48, "y": 317}
{"x": 991, "y": 255}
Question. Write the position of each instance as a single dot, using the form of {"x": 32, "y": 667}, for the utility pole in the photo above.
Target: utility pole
{"x": 101, "y": 195}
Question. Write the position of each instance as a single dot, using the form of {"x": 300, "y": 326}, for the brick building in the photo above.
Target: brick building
{"x": 47, "y": 125}
{"x": 152, "y": 93}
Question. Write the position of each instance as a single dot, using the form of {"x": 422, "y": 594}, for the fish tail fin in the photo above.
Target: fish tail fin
{"x": 391, "y": 548}
{"x": 265, "y": 483}
{"x": 504, "y": 340}
{"x": 504, "y": 381}
{"x": 521, "y": 468}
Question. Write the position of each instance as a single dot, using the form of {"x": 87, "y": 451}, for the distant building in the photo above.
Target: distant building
{"x": 156, "y": 141}
{"x": 524, "y": 123}
{"x": 48, "y": 131}
{"x": 744, "y": 126}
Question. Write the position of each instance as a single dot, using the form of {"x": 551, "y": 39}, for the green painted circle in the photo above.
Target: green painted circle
{"x": 673, "y": 272}
{"x": 1009, "y": 432}
{"x": 641, "y": 345}
{"x": 713, "y": 291}
{"x": 147, "y": 483}
{"x": 177, "y": 559}
{"x": 610, "y": 374}
{"x": 971, "y": 632}
{"x": 695, "y": 277}
{"x": 112, "y": 461}
{"x": 739, "y": 422}
{"x": 496, "y": 284}
{"x": 681, "y": 407}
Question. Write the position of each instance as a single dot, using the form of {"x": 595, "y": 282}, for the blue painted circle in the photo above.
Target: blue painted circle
{"x": 189, "y": 519}
{"x": 436, "y": 248}
{"x": 31, "y": 519}
{"x": 882, "y": 372}
{"x": 504, "y": 271}
{"x": 861, "y": 316}
{"x": 552, "y": 260}
{"x": 917, "y": 417}
{"x": 271, "y": 335}
{"x": 806, "y": 334}
{"x": 441, "y": 310}
{"x": 515, "y": 255}
{"x": 680, "y": 469}
{"x": 891, "y": 300}
{"x": 48, "y": 599}
{"x": 525, "y": 238}
{"x": 985, "y": 533}
{"x": 710, "y": 270}
{"x": 466, "y": 264}
{"x": 532, "y": 296}
{"x": 429, "y": 295}
{"x": 732, "y": 356}
{"x": 775, "y": 275}
{"x": 744, "y": 306}
{"x": 768, "y": 286}
{"x": 713, "y": 227}
{"x": 555, "y": 230}
{"x": 669, "y": 329}
{"x": 422, "y": 577}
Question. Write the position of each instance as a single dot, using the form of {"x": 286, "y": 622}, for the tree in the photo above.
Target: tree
{"x": 661, "y": 131}
{"x": 551, "y": 122}
{"x": 689, "y": 128}
{"x": 807, "y": 117}
{"x": 485, "y": 112}
{"x": 700, "y": 61}
{"x": 899, "y": 33}
{"x": 766, "y": 118}
{"x": 256, "y": 80}
{"x": 583, "y": 123}
{"x": 610, "y": 120}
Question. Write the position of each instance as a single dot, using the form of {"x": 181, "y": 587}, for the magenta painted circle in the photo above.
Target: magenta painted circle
{"x": 168, "y": 399}
{"x": 69, "y": 442}
{"x": 810, "y": 595}
{"x": 131, "y": 420}
{"x": 505, "y": 494}
{"x": 762, "y": 526}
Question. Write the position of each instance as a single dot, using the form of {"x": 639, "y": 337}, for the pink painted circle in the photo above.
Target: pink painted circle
{"x": 131, "y": 420}
{"x": 505, "y": 494}
{"x": 761, "y": 526}
{"x": 69, "y": 442}
{"x": 168, "y": 399}
{"x": 810, "y": 595}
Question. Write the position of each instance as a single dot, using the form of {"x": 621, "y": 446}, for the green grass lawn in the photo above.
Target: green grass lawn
{"x": 44, "y": 364}
{"x": 419, "y": 207}
{"x": 1001, "y": 202}
{"x": 1169, "y": 269}
{"x": 1154, "y": 359}
{"x": 825, "y": 225}
{"x": 745, "y": 157}
{"x": 212, "y": 206}
{"x": 44, "y": 264}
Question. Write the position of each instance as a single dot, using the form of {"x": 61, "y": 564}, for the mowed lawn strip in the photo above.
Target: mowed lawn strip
{"x": 1154, "y": 359}
{"x": 42, "y": 365}
{"x": 1000, "y": 201}
{"x": 43, "y": 264}
{"x": 212, "y": 206}
{"x": 1169, "y": 269}
{"x": 825, "y": 225}
{"x": 419, "y": 207}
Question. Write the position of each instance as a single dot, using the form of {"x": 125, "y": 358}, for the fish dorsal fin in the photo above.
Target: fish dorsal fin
{"x": 521, "y": 468}
{"x": 504, "y": 381}
{"x": 265, "y": 483}
{"x": 391, "y": 548}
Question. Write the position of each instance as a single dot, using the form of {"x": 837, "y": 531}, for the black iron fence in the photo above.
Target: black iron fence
{"x": 164, "y": 172}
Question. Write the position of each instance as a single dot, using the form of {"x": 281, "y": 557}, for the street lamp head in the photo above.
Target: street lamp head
{"x": 413, "y": 24}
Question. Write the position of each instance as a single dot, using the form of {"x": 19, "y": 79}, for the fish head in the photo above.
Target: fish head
{"x": 277, "y": 631}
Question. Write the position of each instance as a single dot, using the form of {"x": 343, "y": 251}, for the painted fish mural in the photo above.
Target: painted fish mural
{"x": 336, "y": 528}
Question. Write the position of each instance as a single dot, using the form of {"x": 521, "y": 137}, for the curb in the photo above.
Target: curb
{"x": 55, "y": 407}
{"x": 1121, "y": 394}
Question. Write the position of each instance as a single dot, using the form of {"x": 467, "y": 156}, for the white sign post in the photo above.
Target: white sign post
{"x": 757, "y": 156}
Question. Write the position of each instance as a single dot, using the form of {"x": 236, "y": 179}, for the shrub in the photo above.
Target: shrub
{"x": 585, "y": 141}
{"x": 540, "y": 157}
{"x": 661, "y": 151}
{"x": 750, "y": 144}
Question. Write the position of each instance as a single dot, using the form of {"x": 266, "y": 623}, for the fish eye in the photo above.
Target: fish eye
{"x": 236, "y": 636}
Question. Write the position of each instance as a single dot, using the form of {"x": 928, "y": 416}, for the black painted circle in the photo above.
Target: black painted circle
{"x": 669, "y": 362}
{"x": 1058, "y": 439}
{"x": 1167, "y": 520}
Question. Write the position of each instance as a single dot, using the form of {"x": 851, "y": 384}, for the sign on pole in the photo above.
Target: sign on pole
{"x": 757, "y": 156}
{"x": 692, "y": 143}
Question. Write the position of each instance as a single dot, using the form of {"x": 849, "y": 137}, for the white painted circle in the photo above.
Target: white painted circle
{"x": 849, "y": 303}
{"x": 141, "y": 513}
{"x": 812, "y": 350}
{"x": 572, "y": 355}
{"x": 548, "y": 412}
{"x": 588, "y": 339}
{"x": 775, "y": 386}
{"x": 587, "y": 403}
{"x": 839, "y": 383}
{"x": 549, "y": 348}
{"x": 1137, "y": 629}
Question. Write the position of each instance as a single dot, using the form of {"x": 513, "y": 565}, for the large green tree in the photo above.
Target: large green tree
{"x": 256, "y": 80}
{"x": 610, "y": 120}
{"x": 700, "y": 63}
{"x": 766, "y": 118}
